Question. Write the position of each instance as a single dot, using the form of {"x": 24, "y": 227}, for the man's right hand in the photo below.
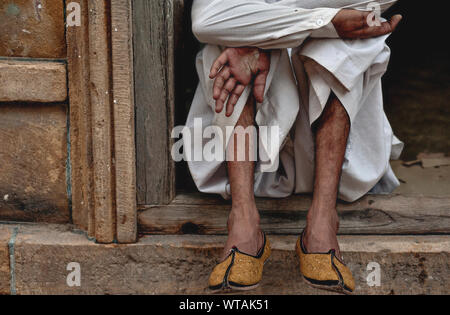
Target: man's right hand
{"x": 235, "y": 69}
{"x": 353, "y": 24}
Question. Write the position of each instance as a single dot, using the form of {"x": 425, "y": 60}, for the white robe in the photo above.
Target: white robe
{"x": 299, "y": 84}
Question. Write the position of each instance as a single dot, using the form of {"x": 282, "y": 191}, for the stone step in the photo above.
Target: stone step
{"x": 34, "y": 259}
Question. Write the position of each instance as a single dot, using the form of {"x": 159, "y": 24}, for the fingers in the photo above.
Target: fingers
{"x": 259, "y": 86}
{"x": 232, "y": 91}
{"x": 234, "y": 98}
{"x": 359, "y": 21}
{"x": 395, "y": 20}
{"x": 353, "y": 24}
{"x": 218, "y": 64}
{"x": 224, "y": 94}
{"x": 349, "y": 19}
{"x": 220, "y": 81}
{"x": 376, "y": 31}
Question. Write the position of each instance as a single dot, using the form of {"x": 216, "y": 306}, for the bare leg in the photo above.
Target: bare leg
{"x": 332, "y": 133}
{"x": 243, "y": 223}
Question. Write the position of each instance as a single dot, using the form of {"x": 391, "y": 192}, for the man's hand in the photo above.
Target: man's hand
{"x": 353, "y": 24}
{"x": 234, "y": 70}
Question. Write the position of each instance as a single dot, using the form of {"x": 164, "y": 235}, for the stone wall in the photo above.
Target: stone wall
{"x": 32, "y": 28}
{"x": 33, "y": 112}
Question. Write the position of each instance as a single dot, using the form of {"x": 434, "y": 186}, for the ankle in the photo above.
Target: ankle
{"x": 319, "y": 219}
{"x": 324, "y": 213}
{"x": 249, "y": 220}
{"x": 244, "y": 209}
{"x": 252, "y": 218}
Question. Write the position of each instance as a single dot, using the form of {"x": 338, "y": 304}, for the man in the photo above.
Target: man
{"x": 325, "y": 98}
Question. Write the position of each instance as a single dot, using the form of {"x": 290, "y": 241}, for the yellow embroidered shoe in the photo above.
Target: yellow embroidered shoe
{"x": 324, "y": 271}
{"x": 240, "y": 271}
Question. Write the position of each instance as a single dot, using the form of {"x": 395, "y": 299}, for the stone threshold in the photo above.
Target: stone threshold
{"x": 34, "y": 259}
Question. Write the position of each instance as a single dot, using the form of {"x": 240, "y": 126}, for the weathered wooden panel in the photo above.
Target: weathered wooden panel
{"x": 32, "y": 81}
{"x": 33, "y": 156}
{"x": 83, "y": 214}
{"x": 153, "y": 29}
{"x": 101, "y": 105}
{"x": 32, "y": 28}
{"x": 124, "y": 131}
{"x": 371, "y": 215}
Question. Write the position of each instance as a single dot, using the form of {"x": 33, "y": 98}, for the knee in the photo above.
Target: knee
{"x": 338, "y": 110}
{"x": 334, "y": 111}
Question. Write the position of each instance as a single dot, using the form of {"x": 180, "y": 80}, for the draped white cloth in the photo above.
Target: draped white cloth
{"x": 299, "y": 85}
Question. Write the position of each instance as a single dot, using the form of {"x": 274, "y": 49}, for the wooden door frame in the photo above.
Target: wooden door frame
{"x": 102, "y": 131}
{"x": 102, "y": 114}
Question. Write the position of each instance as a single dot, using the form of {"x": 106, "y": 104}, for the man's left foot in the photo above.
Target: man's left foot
{"x": 321, "y": 232}
{"x": 244, "y": 233}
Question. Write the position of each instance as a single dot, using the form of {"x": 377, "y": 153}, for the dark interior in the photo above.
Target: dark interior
{"x": 416, "y": 85}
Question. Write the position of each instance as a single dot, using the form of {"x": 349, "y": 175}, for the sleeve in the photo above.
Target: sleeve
{"x": 237, "y": 23}
{"x": 328, "y": 31}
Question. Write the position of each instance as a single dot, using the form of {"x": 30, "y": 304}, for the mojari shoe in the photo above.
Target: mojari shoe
{"x": 324, "y": 271}
{"x": 240, "y": 271}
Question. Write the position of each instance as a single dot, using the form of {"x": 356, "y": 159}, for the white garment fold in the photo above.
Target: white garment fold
{"x": 298, "y": 87}
{"x": 237, "y": 23}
